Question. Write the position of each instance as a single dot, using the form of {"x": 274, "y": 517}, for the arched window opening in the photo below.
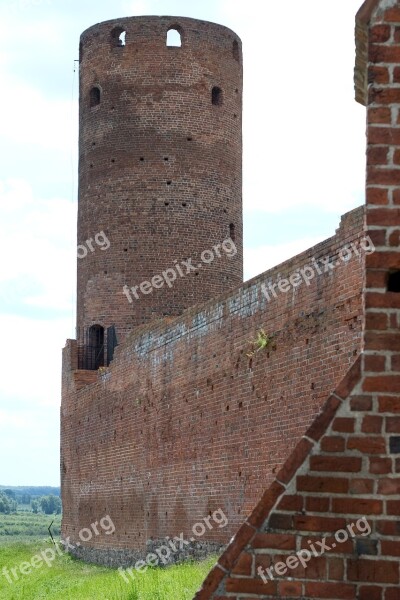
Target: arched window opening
{"x": 394, "y": 282}
{"x": 174, "y": 38}
{"x": 232, "y": 234}
{"x": 95, "y": 348}
{"x": 95, "y": 96}
{"x": 118, "y": 37}
{"x": 235, "y": 50}
{"x": 216, "y": 96}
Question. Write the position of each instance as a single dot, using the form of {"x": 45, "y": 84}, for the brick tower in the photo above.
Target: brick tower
{"x": 160, "y": 175}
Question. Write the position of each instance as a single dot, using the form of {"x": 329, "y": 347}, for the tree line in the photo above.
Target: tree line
{"x": 49, "y": 504}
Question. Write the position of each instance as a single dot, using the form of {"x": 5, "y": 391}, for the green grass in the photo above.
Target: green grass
{"x": 24, "y": 535}
{"x": 27, "y": 525}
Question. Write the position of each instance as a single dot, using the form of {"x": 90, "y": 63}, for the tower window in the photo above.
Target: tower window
{"x": 118, "y": 37}
{"x": 232, "y": 232}
{"x": 95, "y": 348}
{"x": 95, "y": 96}
{"x": 174, "y": 38}
{"x": 394, "y": 282}
{"x": 216, "y": 96}
{"x": 235, "y": 50}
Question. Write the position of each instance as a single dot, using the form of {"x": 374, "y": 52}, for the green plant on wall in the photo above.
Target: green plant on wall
{"x": 263, "y": 341}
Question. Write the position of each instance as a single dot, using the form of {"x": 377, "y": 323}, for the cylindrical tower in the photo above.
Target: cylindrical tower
{"x": 160, "y": 169}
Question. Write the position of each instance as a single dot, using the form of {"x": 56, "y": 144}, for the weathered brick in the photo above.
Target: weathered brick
{"x": 356, "y": 506}
{"x": 333, "y": 444}
{"x": 374, "y": 571}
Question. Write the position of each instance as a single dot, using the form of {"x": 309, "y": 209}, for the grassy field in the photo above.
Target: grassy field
{"x": 70, "y": 579}
{"x": 26, "y": 525}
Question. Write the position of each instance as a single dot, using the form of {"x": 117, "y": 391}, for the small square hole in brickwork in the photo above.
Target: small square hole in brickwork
{"x": 395, "y": 444}
{"x": 394, "y": 282}
{"x": 169, "y": 182}
{"x": 367, "y": 547}
{"x": 189, "y": 139}
{"x": 141, "y": 158}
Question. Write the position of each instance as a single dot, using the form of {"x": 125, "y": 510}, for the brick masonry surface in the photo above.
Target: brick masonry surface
{"x": 160, "y": 166}
{"x": 190, "y": 417}
{"x": 345, "y": 470}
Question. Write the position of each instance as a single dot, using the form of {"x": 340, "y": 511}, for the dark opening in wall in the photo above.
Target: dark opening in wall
{"x": 232, "y": 234}
{"x": 394, "y": 282}
{"x": 216, "y": 96}
{"x": 174, "y": 37}
{"x": 91, "y": 353}
{"x": 95, "y": 96}
{"x": 118, "y": 37}
{"x": 235, "y": 50}
{"x": 395, "y": 445}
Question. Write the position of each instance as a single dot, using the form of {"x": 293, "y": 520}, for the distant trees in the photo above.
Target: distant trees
{"x": 50, "y": 504}
{"x": 25, "y": 499}
{"x": 7, "y": 503}
{"x": 43, "y": 499}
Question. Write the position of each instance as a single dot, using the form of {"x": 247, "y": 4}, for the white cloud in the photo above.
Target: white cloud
{"x": 34, "y": 119}
{"x": 30, "y": 356}
{"x": 260, "y": 259}
{"x": 38, "y": 237}
{"x": 304, "y": 138}
{"x": 136, "y": 7}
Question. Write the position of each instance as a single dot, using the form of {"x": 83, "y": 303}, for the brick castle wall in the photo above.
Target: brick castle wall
{"x": 185, "y": 422}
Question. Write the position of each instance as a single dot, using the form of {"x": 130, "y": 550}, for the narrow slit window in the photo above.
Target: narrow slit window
{"x": 236, "y": 51}
{"x": 232, "y": 234}
{"x": 174, "y": 38}
{"x": 95, "y": 96}
{"x": 216, "y": 96}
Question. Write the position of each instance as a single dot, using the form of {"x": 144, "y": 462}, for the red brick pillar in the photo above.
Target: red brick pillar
{"x": 382, "y": 297}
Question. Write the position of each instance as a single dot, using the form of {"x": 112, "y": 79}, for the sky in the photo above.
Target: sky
{"x": 304, "y": 166}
